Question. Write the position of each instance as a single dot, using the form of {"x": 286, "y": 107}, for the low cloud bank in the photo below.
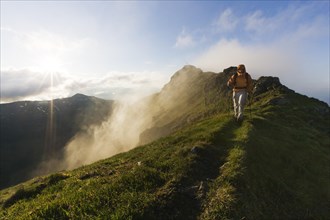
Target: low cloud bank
{"x": 25, "y": 84}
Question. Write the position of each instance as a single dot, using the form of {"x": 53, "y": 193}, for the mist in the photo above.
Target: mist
{"x": 119, "y": 133}
{"x": 130, "y": 124}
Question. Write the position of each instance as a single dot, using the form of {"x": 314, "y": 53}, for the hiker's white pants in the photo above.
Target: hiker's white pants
{"x": 239, "y": 99}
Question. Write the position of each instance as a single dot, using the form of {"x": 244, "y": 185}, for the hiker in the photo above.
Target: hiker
{"x": 241, "y": 83}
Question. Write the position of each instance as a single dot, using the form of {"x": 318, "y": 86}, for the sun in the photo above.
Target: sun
{"x": 50, "y": 63}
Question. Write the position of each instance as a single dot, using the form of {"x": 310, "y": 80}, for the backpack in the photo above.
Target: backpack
{"x": 246, "y": 78}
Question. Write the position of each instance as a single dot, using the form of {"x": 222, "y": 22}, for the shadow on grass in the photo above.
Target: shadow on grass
{"x": 34, "y": 190}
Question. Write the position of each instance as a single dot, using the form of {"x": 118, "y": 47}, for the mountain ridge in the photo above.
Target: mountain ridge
{"x": 204, "y": 166}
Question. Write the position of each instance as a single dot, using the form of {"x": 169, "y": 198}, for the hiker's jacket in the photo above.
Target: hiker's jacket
{"x": 241, "y": 82}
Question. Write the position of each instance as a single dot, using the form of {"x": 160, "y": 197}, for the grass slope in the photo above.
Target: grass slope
{"x": 274, "y": 166}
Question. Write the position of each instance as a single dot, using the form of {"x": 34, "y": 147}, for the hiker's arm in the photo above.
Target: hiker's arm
{"x": 230, "y": 82}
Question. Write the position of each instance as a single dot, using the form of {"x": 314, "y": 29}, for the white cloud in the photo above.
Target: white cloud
{"x": 261, "y": 59}
{"x": 25, "y": 84}
{"x": 291, "y": 44}
{"x": 282, "y": 59}
{"x": 227, "y": 21}
{"x": 287, "y": 21}
{"x": 257, "y": 23}
{"x": 184, "y": 40}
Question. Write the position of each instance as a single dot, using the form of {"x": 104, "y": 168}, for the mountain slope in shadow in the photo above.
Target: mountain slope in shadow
{"x": 32, "y": 132}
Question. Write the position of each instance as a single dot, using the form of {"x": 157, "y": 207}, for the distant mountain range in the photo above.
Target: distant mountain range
{"x": 35, "y": 131}
{"x": 193, "y": 160}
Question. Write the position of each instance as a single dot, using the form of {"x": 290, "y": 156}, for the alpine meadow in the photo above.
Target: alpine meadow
{"x": 176, "y": 154}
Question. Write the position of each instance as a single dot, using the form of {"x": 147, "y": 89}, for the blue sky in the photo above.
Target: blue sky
{"x": 110, "y": 49}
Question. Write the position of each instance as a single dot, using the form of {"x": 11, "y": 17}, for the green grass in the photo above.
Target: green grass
{"x": 122, "y": 187}
{"x": 287, "y": 164}
{"x": 273, "y": 166}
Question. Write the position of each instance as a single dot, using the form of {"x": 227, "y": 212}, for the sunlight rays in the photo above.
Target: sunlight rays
{"x": 50, "y": 135}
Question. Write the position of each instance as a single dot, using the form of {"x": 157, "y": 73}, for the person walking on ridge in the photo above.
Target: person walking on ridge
{"x": 242, "y": 85}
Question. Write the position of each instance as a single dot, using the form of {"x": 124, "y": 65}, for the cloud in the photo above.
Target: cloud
{"x": 293, "y": 49}
{"x": 231, "y": 52}
{"x": 227, "y": 21}
{"x": 282, "y": 60}
{"x": 124, "y": 85}
{"x": 184, "y": 40}
{"x": 25, "y": 84}
{"x": 294, "y": 19}
{"x": 255, "y": 22}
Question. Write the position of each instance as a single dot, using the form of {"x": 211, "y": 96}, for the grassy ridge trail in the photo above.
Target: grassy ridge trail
{"x": 159, "y": 179}
{"x": 275, "y": 165}
{"x": 211, "y": 169}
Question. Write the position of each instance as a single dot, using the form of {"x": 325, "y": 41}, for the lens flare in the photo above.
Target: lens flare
{"x": 50, "y": 126}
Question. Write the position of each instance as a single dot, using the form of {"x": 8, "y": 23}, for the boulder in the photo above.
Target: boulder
{"x": 266, "y": 83}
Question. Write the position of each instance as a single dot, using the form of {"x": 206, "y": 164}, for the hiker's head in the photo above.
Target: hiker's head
{"x": 241, "y": 68}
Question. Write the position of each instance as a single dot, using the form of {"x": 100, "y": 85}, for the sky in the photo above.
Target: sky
{"x": 113, "y": 49}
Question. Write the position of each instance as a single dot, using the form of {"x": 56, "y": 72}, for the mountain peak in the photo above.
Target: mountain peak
{"x": 188, "y": 70}
{"x": 184, "y": 76}
{"x": 266, "y": 83}
{"x": 191, "y": 67}
{"x": 79, "y": 96}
